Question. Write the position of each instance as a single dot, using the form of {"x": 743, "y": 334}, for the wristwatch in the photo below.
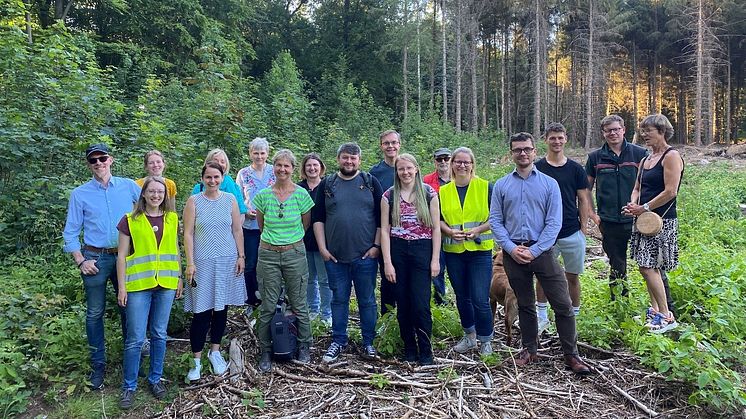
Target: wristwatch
{"x": 646, "y": 206}
{"x": 377, "y": 246}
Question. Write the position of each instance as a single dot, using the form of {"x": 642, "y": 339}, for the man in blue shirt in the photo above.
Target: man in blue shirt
{"x": 96, "y": 207}
{"x": 525, "y": 218}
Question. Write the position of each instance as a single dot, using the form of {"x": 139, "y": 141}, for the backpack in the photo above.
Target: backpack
{"x": 284, "y": 328}
{"x": 331, "y": 183}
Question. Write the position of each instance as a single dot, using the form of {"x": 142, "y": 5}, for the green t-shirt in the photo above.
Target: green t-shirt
{"x": 282, "y": 221}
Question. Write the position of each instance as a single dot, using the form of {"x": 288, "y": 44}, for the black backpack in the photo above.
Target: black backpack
{"x": 331, "y": 183}
{"x": 284, "y": 329}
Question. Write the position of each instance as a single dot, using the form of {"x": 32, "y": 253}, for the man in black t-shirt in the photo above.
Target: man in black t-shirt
{"x": 576, "y": 207}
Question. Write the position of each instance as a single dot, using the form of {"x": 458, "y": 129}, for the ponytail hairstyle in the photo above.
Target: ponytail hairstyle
{"x": 420, "y": 199}
{"x": 141, "y": 206}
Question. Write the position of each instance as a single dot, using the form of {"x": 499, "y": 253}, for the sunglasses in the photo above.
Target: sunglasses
{"x": 282, "y": 208}
{"x": 100, "y": 159}
{"x": 442, "y": 159}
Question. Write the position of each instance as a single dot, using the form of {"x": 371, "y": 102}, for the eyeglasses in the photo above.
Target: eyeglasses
{"x": 442, "y": 159}
{"x": 461, "y": 163}
{"x": 518, "y": 151}
{"x": 282, "y": 208}
{"x": 612, "y": 130}
{"x": 390, "y": 143}
{"x": 100, "y": 159}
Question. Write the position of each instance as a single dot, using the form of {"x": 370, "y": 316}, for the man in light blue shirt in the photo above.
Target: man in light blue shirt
{"x": 96, "y": 207}
{"x": 525, "y": 218}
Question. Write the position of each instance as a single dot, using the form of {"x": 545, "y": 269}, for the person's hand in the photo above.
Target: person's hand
{"x": 471, "y": 235}
{"x": 327, "y": 256}
{"x": 190, "y": 271}
{"x": 240, "y": 264}
{"x": 88, "y": 267}
{"x": 595, "y": 218}
{"x": 373, "y": 252}
{"x": 251, "y": 214}
{"x": 122, "y": 297}
{"x": 180, "y": 289}
{"x": 527, "y": 255}
{"x": 519, "y": 255}
{"x": 434, "y": 268}
{"x": 390, "y": 272}
{"x": 458, "y": 235}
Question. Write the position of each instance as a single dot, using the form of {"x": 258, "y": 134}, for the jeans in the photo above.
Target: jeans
{"x": 157, "y": 302}
{"x": 439, "y": 282}
{"x": 361, "y": 273}
{"x": 411, "y": 260}
{"x": 287, "y": 268}
{"x": 95, "y": 299}
{"x": 471, "y": 275}
{"x": 551, "y": 276}
{"x": 251, "y": 250}
{"x": 388, "y": 290}
{"x": 318, "y": 295}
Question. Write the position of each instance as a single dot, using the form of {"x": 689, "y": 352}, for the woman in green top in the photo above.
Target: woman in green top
{"x": 284, "y": 214}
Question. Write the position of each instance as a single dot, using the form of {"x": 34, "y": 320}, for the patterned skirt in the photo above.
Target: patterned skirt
{"x": 660, "y": 251}
{"x": 218, "y": 286}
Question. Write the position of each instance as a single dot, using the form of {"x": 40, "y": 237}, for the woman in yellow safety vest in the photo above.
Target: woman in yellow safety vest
{"x": 467, "y": 245}
{"x": 148, "y": 266}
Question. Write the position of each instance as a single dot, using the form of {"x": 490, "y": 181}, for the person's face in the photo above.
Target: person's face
{"x": 443, "y": 162}
{"x": 651, "y": 135}
{"x": 99, "y": 168}
{"x": 462, "y": 164}
{"x": 613, "y": 133}
{"x": 222, "y": 160}
{"x": 348, "y": 163}
{"x": 312, "y": 169}
{"x": 523, "y": 153}
{"x": 258, "y": 157}
{"x": 406, "y": 171}
{"x": 154, "y": 194}
{"x": 155, "y": 165}
{"x": 283, "y": 169}
{"x": 556, "y": 141}
{"x": 212, "y": 178}
{"x": 390, "y": 145}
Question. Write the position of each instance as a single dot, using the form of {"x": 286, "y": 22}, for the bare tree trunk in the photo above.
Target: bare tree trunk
{"x": 589, "y": 85}
{"x": 474, "y": 123}
{"x": 574, "y": 94}
{"x": 682, "y": 126}
{"x": 486, "y": 59}
{"x": 419, "y": 67}
{"x": 431, "y": 104}
{"x": 459, "y": 76}
{"x": 726, "y": 132}
{"x": 700, "y": 75}
{"x": 634, "y": 84}
{"x": 405, "y": 82}
{"x": 537, "y": 69}
{"x": 29, "y": 36}
{"x": 504, "y": 89}
{"x": 445, "y": 63}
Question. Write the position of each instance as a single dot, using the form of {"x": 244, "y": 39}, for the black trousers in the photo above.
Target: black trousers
{"x": 411, "y": 260}
{"x": 207, "y": 320}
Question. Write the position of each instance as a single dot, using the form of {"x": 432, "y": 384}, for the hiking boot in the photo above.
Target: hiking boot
{"x": 486, "y": 348}
{"x": 465, "y": 344}
{"x": 369, "y": 352}
{"x": 332, "y": 353}
{"x": 125, "y": 402}
{"x": 577, "y": 365}
{"x": 662, "y": 324}
{"x": 158, "y": 390}
{"x": 218, "y": 363}
{"x": 194, "y": 374}
{"x": 265, "y": 362}
{"x": 525, "y": 357}
{"x": 304, "y": 353}
{"x": 97, "y": 376}
{"x": 542, "y": 326}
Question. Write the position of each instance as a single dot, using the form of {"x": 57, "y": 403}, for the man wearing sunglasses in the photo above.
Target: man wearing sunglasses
{"x": 96, "y": 207}
{"x": 436, "y": 179}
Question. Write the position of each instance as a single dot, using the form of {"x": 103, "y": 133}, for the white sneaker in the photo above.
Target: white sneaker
{"x": 218, "y": 363}
{"x": 543, "y": 324}
{"x": 194, "y": 374}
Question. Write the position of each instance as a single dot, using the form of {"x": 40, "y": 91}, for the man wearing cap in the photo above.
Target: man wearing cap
{"x": 436, "y": 179}
{"x": 95, "y": 207}
{"x": 385, "y": 172}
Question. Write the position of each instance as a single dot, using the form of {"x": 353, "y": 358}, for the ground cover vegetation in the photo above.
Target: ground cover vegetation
{"x": 114, "y": 75}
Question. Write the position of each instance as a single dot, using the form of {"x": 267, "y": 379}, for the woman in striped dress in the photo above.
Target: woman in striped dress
{"x": 213, "y": 242}
{"x": 284, "y": 214}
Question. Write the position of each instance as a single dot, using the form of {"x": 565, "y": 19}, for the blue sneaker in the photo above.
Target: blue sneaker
{"x": 662, "y": 324}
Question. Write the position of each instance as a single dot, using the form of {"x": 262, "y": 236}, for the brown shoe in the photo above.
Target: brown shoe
{"x": 577, "y": 365}
{"x": 525, "y": 357}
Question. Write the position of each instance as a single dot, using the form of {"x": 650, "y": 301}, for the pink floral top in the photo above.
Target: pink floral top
{"x": 411, "y": 228}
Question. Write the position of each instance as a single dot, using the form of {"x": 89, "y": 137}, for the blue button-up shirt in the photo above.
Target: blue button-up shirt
{"x": 526, "y": 210}
{"x": 96, "y": 210}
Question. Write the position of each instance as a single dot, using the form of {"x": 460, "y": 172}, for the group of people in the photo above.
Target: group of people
{"x": 252, "y": 241}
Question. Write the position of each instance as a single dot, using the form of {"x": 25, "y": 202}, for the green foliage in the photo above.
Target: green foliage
{"x": 447, "y": 374}
{"x": 446, "y": 323}
{"x": 379, "y": 381}
{"x": 388, "y": 341}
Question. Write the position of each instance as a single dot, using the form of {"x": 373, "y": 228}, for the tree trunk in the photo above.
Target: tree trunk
{"x": 726, "y": 131}
{"x": 700, "y": 75}
{"x": 445, "y": 63}
{"x": 459, "y": 76}
{"x": 29, "y": 36}
{"x": 589, "y": 84}
{"x": 681, "y": 125}
{"x": 419, "y": 68}
{"x": 405, "y": 81}
{"x": 486, "y": 59}
{"x": 474, "y": 123}
{"x": 537, "y": 69}
{"x": 431, "y": 104}
{"x": 634, "y": 84}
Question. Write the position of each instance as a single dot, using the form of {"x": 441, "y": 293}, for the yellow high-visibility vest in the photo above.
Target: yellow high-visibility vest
{"x": 151, "y": 265}
{"x": 475, "y": 212}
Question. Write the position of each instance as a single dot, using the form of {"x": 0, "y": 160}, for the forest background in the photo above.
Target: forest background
{"x": 185, "y": 76}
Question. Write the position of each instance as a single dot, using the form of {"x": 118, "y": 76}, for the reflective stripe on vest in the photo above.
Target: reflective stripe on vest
{"x": 151, "y": 265}
{"x": 474, "y": 213}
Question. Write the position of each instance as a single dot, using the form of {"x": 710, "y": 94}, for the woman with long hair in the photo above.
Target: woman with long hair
{"x": 213, "y": 246}
{"x": 464, "y": 204}
{"x": 657, "y": 185}
{"x": 148, "y": 261}
{"x": 155, "y": 164}
{"x": 410, "y": 242}
{"x": 319, "y": 295}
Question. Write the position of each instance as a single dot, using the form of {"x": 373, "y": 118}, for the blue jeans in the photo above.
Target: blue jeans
{"x": 439, "y": 282}
{"x": 361, "y": 273}
{"x": 319, "y": 295}
{"x": 95, "y": 300}
{"x": 155, "y": 304}
{"x": 471, "y": 273}
{"x": 251, "y": 250}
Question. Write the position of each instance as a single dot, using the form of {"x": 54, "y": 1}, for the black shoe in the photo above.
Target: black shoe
{"x": 304, "y": 354}
{"x": 410, "y": 355}
{"x": 427, "y": 360}
{"x": 157, "y": 389}
{"x": 125, "y": 402}
{"x": 265, "y": 362}
{"x": 97, "y": 376}
{"x": 369, "y": 352}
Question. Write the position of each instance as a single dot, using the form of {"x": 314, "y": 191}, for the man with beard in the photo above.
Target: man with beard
{"x": 347, "y": 226}
{"x": 525, "y": 218}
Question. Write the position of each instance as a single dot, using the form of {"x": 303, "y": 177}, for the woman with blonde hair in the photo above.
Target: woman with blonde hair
{"x": 218, "y": 156}
{"x": 155, "y": 164}
{"x": 410, "y": 242}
